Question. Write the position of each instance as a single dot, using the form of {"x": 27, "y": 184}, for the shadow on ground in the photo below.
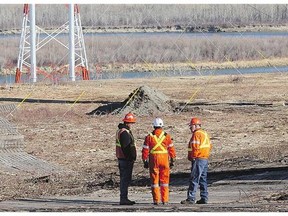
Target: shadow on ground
{"x": 253, "y": 174}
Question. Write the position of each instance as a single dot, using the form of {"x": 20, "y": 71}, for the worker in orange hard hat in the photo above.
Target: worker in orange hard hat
{"x": 157, "y": 151}
{"x": 126, "y": 154}
{"x": 199, "y": 149}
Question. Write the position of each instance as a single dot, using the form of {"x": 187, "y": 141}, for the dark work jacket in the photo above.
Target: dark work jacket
{"x": 127, "y": 143}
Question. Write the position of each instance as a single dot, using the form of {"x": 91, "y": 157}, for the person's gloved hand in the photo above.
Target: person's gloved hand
{"x": 172, "y": 161}
{"x": 146, "y": 164}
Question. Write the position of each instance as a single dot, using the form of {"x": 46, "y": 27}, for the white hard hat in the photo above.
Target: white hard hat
{"x": 158, "y": 122}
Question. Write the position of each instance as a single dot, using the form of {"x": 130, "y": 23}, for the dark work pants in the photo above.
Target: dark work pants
{"x": 125, "y": 169}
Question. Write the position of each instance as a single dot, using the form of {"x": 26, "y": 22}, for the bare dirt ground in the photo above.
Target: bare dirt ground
{"x": 246, "y": 116}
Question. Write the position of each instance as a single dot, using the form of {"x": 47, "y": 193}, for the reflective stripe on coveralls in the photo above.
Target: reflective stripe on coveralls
{"x": 159, "y": 168}
{"x": 158, "y": 144}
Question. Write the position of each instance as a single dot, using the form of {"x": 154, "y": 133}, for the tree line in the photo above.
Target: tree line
{"x": 140, "y": 15}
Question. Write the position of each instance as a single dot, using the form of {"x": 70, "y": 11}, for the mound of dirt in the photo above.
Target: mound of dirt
{"x": 142, "y": 101}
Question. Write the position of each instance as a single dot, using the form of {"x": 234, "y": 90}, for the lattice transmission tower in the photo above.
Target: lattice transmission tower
{"x": 31, "y": 42}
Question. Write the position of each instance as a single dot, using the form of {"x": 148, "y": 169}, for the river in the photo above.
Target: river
{"x": 9, "y": 79}
{"x": 172, "y": 34}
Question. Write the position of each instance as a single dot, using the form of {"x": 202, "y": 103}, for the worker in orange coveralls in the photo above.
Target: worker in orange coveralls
{"x": 158, "y": 150}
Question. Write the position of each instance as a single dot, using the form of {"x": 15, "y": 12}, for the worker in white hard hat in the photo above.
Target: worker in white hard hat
{"x": 158, "y": 150}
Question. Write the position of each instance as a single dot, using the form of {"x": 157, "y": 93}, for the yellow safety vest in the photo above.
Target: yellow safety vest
{"x": 119, "y": 152}
{"x": 158, "y": 144}
{"x": 118, "y": 132}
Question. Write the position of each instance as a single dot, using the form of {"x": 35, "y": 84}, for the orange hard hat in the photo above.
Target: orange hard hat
{"x": 130, "y": 118}
{"x": 195, "y": 121}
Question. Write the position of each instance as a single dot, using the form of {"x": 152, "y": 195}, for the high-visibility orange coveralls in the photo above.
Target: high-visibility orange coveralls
{"x": 159, "y": 148}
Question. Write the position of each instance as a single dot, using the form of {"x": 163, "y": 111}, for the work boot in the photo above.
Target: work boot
{"x": 188, "y": 201}
{"x": 126, "y": 202}
{"x": 165, "y": 203}
{"x": 155, "y": 203}
{"x": 201, "y": 201}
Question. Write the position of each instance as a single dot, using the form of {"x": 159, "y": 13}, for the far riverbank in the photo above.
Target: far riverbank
{"x": 168, "y": 29}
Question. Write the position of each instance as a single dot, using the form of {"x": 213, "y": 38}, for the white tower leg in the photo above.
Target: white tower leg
{"x": 33, "y": 43}
{"x": 71, "y": 43}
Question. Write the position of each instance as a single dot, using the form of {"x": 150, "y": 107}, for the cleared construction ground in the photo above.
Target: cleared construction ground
{"x": 13, "y": 158}
{"x": 68, "y": 130}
